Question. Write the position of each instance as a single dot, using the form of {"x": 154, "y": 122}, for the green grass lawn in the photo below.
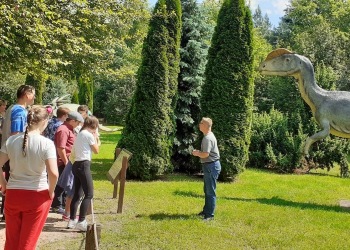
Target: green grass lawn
{"x": 262, "y": 210}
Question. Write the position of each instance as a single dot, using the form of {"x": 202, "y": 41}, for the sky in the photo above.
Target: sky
{"x": 273, "y": 8}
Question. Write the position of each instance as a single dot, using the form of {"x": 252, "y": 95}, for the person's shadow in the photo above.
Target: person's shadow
{"x": 273, "y": 201}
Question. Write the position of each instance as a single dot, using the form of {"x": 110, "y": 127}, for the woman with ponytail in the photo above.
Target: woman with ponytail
{"x": 87, "y": 141}
{"x": 15, "y": 122}
{"x": 33, "y": 177}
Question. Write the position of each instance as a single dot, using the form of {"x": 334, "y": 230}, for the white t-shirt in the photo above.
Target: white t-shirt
{"x": 82, "y": 145}
{"x": 28, "y": 172}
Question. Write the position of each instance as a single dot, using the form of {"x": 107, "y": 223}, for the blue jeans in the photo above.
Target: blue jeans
{"x": 211, "y": 173}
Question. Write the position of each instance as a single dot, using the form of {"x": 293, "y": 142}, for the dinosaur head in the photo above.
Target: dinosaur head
{"x": 280, "y": 62}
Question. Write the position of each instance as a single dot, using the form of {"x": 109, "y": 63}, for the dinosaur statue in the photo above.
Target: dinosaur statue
{"x": 331, "y": 109}
{"x": 64, "y": 101}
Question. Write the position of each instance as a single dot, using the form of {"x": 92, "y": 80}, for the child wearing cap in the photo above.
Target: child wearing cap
{"x": 64, "y": 140}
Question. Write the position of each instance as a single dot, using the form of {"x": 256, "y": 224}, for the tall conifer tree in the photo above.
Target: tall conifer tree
{"x": 227, "y": 95}
{"x": 193, "y": 53}
{"x": 37, "y": 80}
{"x": 86, "y": 88}
{"x": 149, "y": 128}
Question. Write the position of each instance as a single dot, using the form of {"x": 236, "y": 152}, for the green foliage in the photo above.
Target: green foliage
{"x": 211, "y": 10}
{"x": 193, "y": 52}
{"x": 332, "y": 150}
{"x": 276, "y": 142}
{"x": 319, "y": 30}
{"x": 50, "y": 35}
{"x": 85, "y": 94}
{"x": 57, "y": 87}
{"x": 113, "y": 97}
{"x": 9, "y": 85}
{"x": 260, "y": 49}
{"x": 75, "y": 97}
{"x": 227, "y": 95}
{"x": 326, "y": 76}
{"x": 113, "y": 91}
{"x": 38, "y": 81}
{"x": 150, "y": 122}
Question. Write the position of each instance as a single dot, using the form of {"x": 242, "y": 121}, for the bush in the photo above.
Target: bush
{"x": 112, "y": 98}
{"x": 275, "y": 142}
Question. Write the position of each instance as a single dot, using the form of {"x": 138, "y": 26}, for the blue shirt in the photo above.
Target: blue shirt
{"x": 52, "y": 127}
{"x": 18, "y": 119}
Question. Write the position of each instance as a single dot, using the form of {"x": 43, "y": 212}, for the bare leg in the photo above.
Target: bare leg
{"x": 67, "y": 207}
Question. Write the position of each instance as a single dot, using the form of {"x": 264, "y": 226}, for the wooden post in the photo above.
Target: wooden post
{"x": 115, "y": 191}
{"x": 91, "y": 234}
{"x": 122, "y": 176}
{"x": 117, "y": 175}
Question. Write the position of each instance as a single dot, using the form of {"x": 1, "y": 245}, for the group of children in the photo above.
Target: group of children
{"x": 35, "y": 158}
{"x": 75, "y": 144}
{"x": 75, "y": 140}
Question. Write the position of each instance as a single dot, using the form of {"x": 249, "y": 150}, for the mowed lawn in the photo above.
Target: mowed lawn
{"x": 262, "y": 210}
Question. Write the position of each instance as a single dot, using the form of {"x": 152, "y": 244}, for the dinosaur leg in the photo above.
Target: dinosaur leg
{"x": 318, "y": 136}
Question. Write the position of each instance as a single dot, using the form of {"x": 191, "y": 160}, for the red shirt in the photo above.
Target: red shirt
{"x": 64, "y": 138}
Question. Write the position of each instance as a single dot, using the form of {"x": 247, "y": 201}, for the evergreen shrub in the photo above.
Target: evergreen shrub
{"x": 227, "y": 95}
{"x": 273, "y": 145}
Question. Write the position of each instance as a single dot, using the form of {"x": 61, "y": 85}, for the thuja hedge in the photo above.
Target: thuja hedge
{"x": 227, "y": 95}
{"x": 149, "y": 128}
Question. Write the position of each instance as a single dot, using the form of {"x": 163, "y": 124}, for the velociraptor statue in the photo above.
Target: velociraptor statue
{"x": 331, "y": 109}
{"x": 64, "y": 102}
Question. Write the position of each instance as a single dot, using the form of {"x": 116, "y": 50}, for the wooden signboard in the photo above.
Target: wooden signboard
{"x": 118, "y": 173}
{"x": 118, "y": 164}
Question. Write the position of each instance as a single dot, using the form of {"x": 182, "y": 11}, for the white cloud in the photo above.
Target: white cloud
{"x": 280, "y": 6}
{"x": 267, "y": 6}
{"x": 274, "y": 9}
{"x": 254, "y": 3}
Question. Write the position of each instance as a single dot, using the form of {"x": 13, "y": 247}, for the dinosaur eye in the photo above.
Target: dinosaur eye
{"x": 287, "y": 59}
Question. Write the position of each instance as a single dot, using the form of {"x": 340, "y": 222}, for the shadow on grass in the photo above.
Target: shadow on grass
{"x": 188, "y": 194}
{"x": 274, "y": 201}
{"x": 164, "y": 216}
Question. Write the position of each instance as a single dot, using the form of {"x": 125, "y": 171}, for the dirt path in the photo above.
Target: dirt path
{"x": 54, "y": 230}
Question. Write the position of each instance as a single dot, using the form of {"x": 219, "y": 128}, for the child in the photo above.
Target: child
{"x": 86, "y": 142}
{"x": 33, "y": 177}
